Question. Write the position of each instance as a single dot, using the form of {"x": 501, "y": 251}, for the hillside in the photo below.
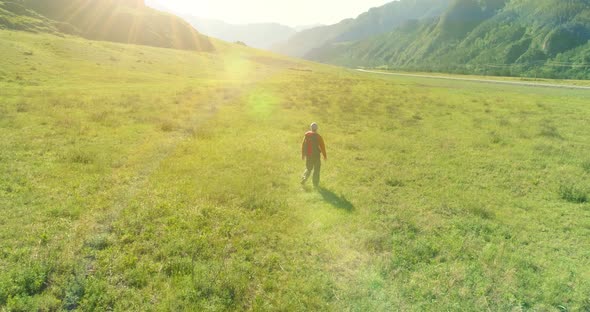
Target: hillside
{"x": 128, "y": 21}
{"x": 261, "y": 36}
{"x": 546, "y": 38}
{"x": 375, "y": 21}
{"x": 16, "y": 17}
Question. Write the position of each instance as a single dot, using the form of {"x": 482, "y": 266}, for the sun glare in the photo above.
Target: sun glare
{"x": 293, "y": 13}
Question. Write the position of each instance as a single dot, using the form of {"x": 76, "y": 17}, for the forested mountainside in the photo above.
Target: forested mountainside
{"x": 545, "y": 38}
{"x": 376, "y": 21}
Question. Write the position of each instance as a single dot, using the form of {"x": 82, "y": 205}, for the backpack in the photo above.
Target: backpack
{"x": 312, "y": 144}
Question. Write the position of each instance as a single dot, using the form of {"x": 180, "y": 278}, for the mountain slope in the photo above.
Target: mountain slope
{"x": 16, "y": 17}
{"x": 518, "y": 37}
{"x": 262, "y": 36}
{"x": 375, "y": 21}
{"x": 125, "y": 21}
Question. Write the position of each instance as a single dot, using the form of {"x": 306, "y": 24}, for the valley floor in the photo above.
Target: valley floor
{"x": 527, "y": 82}
{"x": 136, "y": 178}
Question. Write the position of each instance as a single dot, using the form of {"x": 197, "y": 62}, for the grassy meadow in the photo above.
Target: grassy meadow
{"x": 144, "y": 179}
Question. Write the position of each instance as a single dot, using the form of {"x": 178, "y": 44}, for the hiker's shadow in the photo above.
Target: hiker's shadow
{"x": 339, "y": 202}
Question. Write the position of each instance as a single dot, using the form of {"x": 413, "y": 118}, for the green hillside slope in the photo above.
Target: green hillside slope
{"x": 375, "y": 21}
{"x": 127, "y": 21}
{"x": 533, "y": 38}
{"x": 14, "y": 16}
{"x": 135, "y": 178}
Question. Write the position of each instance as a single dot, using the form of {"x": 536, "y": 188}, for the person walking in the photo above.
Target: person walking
{"x": 312, "y": 149}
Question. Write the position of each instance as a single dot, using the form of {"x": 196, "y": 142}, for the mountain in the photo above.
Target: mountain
{"x": 124, "y": 21}
{"x": 262, "y": 36}
{"x": 548, "y": 38}
{"x": 306, "y": 27}
{"x": 376, "y": 21}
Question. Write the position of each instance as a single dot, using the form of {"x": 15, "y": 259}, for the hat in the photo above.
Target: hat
{"x": 314, "y": 127}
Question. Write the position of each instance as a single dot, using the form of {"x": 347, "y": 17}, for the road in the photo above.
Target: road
{"x": 519, "y": 83}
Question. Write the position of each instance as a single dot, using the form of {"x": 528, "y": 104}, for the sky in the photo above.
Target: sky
{"x": 287, "y": 12}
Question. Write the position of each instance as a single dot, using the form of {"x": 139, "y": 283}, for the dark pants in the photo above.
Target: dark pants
{"x": 313, "y": 164}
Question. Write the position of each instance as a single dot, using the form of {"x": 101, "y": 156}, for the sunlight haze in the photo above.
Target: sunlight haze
{"x": 286, "y": 12}
{"x": 227, "y": 155}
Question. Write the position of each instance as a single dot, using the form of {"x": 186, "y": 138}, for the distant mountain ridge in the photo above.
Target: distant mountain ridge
{"x": 306, "y": 27}
{"x": 376, "y": 21}
{"x": 124, "y": 21}
{"x": 545, "y": 38}
{"x": 259, "y": 35}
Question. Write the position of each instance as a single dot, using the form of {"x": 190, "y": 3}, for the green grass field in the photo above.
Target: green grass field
{"x": 139, "y": 179}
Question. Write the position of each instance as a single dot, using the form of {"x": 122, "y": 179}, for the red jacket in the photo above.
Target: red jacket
{"x": 313, "y": 144}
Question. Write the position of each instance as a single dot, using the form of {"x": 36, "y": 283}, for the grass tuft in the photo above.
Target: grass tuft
{"x": 22, "y": 107}
{"x": 394, "y": 183}
{"x": 495, "y": 138}
{"x": 550, "y": 131}
{"x": 168, "y": 126}
{"x": 482, "y": 212}
{"x": 100, "y": 116}
{"x": 573, "y": 193}
{"x": 81, "y": 157}
{"x": 98, "y": 242}
{"x": 74, "y": 292}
